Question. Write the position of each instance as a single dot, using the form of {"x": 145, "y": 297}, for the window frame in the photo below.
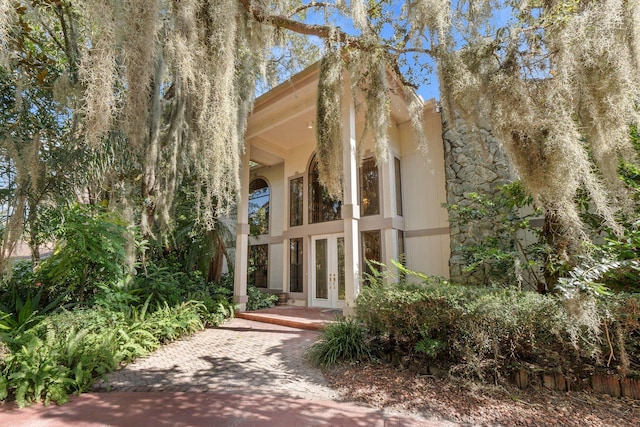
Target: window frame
{"x": 254, "y": 225}
{"x": 368, "y": 208}
{"x": 363, "y": 254}
{"x": 328, "y": 209}
{"x": 298, "y": 267}
{"x": 264, "y": 266}
{"x": 299, "y": 203}
{"x": 397, "y": 165}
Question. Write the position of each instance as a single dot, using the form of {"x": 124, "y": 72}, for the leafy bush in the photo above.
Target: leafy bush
{"x": 160, "y": 282}
{"x": 19, "y": 316}
{"x": 19, "y": 284}
{"x": 164, "y": 283}
{"x": 502, "y": 257}
{"x": 258, "y": 299}
{"x": 487, "y": 332}
{"x": 342, "y": 341}
{"x": 90, "y": 250}
{"x": 33, "y": 373}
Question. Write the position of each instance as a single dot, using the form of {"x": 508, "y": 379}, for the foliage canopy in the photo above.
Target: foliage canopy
{"x": 161, "y": 89}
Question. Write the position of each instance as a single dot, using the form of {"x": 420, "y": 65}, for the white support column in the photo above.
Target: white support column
{"x": 350, "y": 207}
{"x": 242, "y": 235}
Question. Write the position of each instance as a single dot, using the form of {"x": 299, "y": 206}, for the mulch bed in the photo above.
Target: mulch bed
{"x": 408, "y": 392}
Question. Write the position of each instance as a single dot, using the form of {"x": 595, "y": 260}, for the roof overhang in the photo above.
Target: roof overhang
{"x": 284, "y": 118}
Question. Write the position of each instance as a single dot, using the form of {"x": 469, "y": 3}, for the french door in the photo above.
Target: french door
{"x": 327, "y": 271}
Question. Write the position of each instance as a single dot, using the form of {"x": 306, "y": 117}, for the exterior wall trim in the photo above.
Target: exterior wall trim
{"x": 264, "y": 240}
{"x": 426, "y": 232}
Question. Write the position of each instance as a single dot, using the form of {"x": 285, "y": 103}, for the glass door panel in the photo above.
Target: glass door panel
{"x": 321, "y": 270}
{"x": 341, "y": 276}
{"x": 328, "y": 271}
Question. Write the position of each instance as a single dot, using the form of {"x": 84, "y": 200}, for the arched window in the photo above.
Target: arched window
{"x": 322, "y": 207}
{"x": 259, "y": 207}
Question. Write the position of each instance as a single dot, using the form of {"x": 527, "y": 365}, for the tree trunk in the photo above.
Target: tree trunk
{"x": 34, "y": 245}
{"x": 556, "y": 255}
{"x": 215, "y": 266}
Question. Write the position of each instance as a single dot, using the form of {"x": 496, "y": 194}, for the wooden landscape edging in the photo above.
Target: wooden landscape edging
{"x": 612, "y": 385}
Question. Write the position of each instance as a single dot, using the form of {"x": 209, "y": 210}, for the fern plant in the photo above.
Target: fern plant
{"x": 33, "y": 374}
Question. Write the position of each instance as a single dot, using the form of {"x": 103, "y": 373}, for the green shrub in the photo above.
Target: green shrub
{"x": 170, "y": 323}
{"x": 90, "y": 250}
{"x": 19, "y": 316}
{"x": 487, "y": 332}
{"x": 502, "y": 256}
{"x": 33, "y": 373}
{"x": 67, "y": 351}
{"x": 165, "y": 282}
{"x": 342, "y": 341}
{"x": 160, "y": 282}
{"x": 19, "y": 284}
{"x": 258, "y": 299}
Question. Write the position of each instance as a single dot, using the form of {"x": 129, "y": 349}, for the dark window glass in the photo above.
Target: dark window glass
{"x": 296, "y": 189}
{"x": 295, "y": 265}
{"x": 322, "y": 207}
{"x": 371, "y": 251}
{"x": 369, "y": 189}
{"x": 259, "y": 207}
{"x": 259, "y": 265}
{"x": 322, "y": 269}
{"x": 398, "y": 186}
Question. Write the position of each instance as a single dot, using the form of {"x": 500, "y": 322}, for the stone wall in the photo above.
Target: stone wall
{"x": 474, "y": 162}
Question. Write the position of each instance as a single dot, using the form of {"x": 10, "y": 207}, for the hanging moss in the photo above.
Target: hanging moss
{"x": 179, "y": 78}
{"x": 369, "y": 76}
{"x": 7, "y": 19}
{"x": 557, "y": 86}
{"x": 329, "y": 133}
{"x": 98, "y": 69}
{"x": 558, "y": 89}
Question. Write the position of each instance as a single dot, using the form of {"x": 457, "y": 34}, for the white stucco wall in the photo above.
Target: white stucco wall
{"x": 423, "y": 186}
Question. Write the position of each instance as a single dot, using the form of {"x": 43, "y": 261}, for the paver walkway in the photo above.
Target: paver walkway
{"x": 244, "y": 373}
{"x": 241, "y": 356}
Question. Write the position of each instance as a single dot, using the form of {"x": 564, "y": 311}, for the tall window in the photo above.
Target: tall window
{"x": 369, "y": 188}
{"x": 259, "y": 265}
{"x": 371, "y": 251}
{"x": 295, "y": 265}
{"x": 296, "y": 189}
{"x": 322, "y": 207}
{"x": 259, "y": 207}
{"x": 396, "y": 163}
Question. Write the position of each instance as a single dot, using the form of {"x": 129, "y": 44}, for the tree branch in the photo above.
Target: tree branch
{"x": 322, "y": 31}
{"x": 313, "y": 4}
{"x": 329, "y": 33}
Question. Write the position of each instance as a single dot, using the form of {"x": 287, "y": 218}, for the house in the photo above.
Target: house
{"x": 292, "y": 238}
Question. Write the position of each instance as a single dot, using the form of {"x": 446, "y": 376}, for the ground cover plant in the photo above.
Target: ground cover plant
{"x": 83, "y": 312}
{"x": 342, "y": 341}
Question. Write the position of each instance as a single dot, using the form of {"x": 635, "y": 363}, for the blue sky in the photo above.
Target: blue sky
{"x": 425, "y": 65}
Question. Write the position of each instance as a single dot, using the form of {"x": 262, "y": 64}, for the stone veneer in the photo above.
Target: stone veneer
{"x": 474, "y": 162}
